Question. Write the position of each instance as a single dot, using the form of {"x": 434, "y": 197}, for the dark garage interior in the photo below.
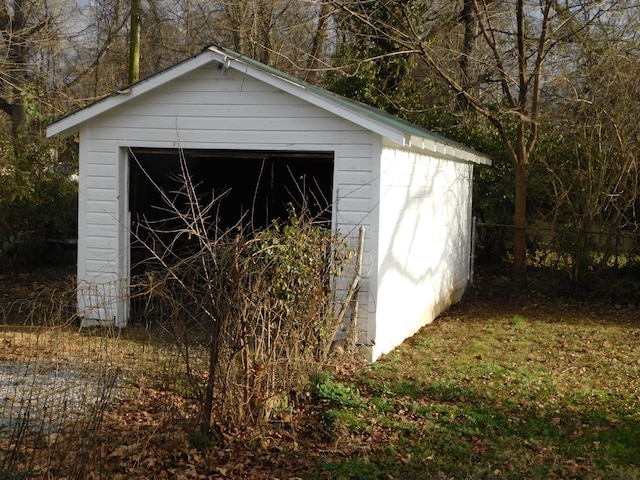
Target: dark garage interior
{"x": 251, "y": 188}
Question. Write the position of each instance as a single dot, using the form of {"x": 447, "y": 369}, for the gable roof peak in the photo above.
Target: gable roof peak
{"x": 395, "y": 129}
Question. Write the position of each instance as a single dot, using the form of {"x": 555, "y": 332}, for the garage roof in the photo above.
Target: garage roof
{"x": 376, "y": 120}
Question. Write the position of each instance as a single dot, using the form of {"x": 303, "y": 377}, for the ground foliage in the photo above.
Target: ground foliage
{"x": 501, "y": 386}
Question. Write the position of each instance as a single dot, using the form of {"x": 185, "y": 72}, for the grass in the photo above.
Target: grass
{"x": 501, "y": 387}
{"x": 480, "y": 395}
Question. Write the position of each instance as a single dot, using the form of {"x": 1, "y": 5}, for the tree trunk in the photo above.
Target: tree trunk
{"x": 520, "y": 225}
{"x": 13, "y": 24}
{"x": 317, "y": 45}
{"x": 467, "y": 19}
{"x": 18, "y": 115}
{"x": 236, "y": 15}
{"x": 134, "y": 42}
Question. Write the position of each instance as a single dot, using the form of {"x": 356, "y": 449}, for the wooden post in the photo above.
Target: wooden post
{"x": 353, "y": 289}
{"x": 352, "y": 337}
{"x": 472, "y": 260}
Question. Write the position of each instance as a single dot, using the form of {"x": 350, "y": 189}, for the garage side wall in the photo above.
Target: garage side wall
{"x": 208, "y": 108}
{"x": 424, "y": 249}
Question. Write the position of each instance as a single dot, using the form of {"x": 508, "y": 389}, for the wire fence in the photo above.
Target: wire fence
{"x": 61, "y": 386}
{"x": 105, "y": 402}
{"x": 583, "y": 254}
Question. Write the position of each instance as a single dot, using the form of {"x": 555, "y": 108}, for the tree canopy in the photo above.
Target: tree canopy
{"x": 547, "y": 88}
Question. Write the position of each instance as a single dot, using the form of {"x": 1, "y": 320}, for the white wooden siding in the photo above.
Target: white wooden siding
{"x": 424, "y": 242}
{"x": 208, "y": 109}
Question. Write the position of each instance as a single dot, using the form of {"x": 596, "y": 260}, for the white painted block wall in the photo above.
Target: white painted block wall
{"x": 423, "y": 243}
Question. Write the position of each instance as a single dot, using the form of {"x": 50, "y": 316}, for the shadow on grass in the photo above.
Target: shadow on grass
{"x": 416, "y": 430}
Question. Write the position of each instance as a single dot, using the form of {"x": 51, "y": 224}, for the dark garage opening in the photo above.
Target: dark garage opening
{"x": 254, "y": 188}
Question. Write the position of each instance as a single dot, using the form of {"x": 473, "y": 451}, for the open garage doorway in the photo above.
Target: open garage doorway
{"x": 251, "y": 188}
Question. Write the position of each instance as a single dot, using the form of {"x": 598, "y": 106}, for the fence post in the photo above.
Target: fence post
{"x": 472, "y": 259}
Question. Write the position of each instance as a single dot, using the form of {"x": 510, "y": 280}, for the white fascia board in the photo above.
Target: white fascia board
{"x": 448, "y": 151}
{"x": 71, "y": 124}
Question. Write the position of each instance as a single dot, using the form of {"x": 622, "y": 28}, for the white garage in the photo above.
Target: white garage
{"x": 231, "y": 116}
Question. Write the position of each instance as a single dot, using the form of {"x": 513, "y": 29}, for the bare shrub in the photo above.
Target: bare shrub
{"x": 251, "y": 312}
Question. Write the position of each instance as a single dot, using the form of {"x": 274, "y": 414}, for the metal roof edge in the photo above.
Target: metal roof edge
{"x": 400, "y": 131}
{"x": 394, "y": 128}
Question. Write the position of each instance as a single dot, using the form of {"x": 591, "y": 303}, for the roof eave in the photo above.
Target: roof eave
{"x": 447, "y": 151}
{"x": 71, "y": 123}
{"x": 395, "y": 135}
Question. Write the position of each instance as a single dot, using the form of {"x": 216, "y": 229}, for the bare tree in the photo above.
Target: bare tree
{"x": 90, "y": 55}
{"x": 594, "y": 174}
{"x": 496, "y": 57}
{"x": 93, "y": 51}
{"x": 291, "y": 35}
{"x": 27, "y": 28}
{"x": 255, "y": 308}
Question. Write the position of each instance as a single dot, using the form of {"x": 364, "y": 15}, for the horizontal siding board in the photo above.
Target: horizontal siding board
{"x": 216, "y": 110}
{"x": 235, "y": 83}
{"x": 102, "y": 158}
{"x": 355, "y": 178}
{"x": 99, "y": 218}
{"x": 355, "y": 151}
{"x": 100, "y": 235}
{"x": 107, "y": 230}
{"x": 96, "y": 253}
{"x": 353, "y": 219}
{"x": 93, "y": 205}
{"x": 247, "y": 124}
{"x": 98, "y": 193}
{"x": 287, "y": 125}
{"x": 350, "y": 204}
{"x": 216, "y": 99}
{"x": 104, "y": 268}
{"x": 353, "y": 191}
{"x": 171, "y": 138}
{"x": 94, "y": 242}
{"x": 354, "y": 165}
{"x": 101, "y": 183}
{"x": 101, "y": 170}
{"x": 106, "y": 147}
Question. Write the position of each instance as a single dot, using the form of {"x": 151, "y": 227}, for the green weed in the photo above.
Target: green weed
{"x": 326, "y": 389}
{"x": 558, "y": 399}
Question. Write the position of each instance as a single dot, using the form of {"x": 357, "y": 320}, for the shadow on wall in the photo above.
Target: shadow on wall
{"x": 426, "y": 261}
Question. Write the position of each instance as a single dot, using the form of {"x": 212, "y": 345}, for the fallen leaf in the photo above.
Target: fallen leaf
{"x": 125, "y": 450}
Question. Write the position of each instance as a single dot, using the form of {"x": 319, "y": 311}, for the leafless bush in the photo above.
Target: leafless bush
{"x": 251, "y": 311}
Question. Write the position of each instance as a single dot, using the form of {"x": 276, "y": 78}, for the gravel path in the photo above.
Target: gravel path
{"x": 44, "y": 397}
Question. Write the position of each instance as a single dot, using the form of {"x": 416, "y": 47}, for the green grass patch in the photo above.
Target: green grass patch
{"x": 507, "y": 396}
